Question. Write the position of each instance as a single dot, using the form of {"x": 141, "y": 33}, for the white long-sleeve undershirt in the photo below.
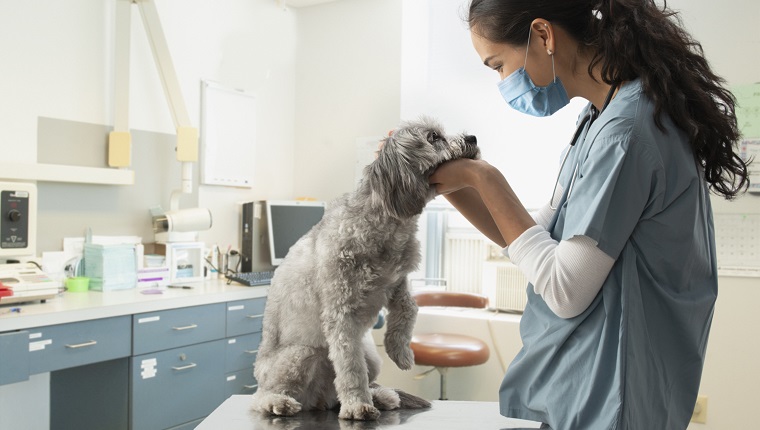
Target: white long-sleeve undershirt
{"x": 566, "y": 274}
{"x": 543, "y": 216}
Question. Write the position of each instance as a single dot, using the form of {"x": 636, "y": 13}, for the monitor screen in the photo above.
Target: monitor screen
{"x": 287, "y": 221}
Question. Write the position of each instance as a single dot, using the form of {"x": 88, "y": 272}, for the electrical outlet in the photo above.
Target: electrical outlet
{"x": 700, "y": 410}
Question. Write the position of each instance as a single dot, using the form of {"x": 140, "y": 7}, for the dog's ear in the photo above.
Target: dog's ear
{"x": 394, "y": 186}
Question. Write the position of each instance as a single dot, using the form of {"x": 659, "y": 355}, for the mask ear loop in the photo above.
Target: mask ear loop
{"x": 551, "y": 53}
{"x": 553, "y": 72}
{"x": 527, "y": 47}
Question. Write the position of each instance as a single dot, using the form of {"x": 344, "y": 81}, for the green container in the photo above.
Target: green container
{"x": 77, "y": 284}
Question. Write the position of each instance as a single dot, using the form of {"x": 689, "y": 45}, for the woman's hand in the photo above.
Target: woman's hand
{"x": 482, "y": 194}
{"x": 456, "y": 174}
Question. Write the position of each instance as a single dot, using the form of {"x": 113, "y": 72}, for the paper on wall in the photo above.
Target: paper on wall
{"x": 748, "y": 118}
{"x": 750, "y": 149}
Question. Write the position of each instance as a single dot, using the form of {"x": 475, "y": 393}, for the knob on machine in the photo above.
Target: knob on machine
{"x": 14, "y": 215}
{"x": 17, "y": 218}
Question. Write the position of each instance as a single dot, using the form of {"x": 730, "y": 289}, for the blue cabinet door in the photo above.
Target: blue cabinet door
{"x": 245, "y": 316}
{"x": 241, "y": 352}
{"x": 157, "y": 331}
{"x": 75, "y": 344}
{"x": 240, "y": 382}
{"x": 176, "y": 386}
{"x": 14, "y": 357}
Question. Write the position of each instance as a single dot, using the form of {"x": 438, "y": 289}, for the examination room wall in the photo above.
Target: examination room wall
{"x": 58, "y": 75}
{"x": 323, "y": 77}
{"x": 347, "y": 88}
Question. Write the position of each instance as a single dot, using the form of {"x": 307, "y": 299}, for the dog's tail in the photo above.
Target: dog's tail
{"x": 410, "y": 401}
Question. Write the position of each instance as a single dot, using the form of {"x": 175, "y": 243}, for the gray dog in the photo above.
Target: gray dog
{"x": 316, "y": 350}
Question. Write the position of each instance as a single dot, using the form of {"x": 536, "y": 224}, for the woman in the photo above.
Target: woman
{"x": 621, "y": 261}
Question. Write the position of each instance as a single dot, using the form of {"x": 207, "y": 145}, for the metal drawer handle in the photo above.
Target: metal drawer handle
{"x": 82, "y": 345}
{"x": 187, "y": 327}
{"x": 250, "y": 386}
{"x": 254, "y": 316}
{"x": 189, "y": 366}
{"x": 248, "y": 351}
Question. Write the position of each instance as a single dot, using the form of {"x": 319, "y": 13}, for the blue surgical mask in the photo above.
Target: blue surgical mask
{"x": 523, "y": 95}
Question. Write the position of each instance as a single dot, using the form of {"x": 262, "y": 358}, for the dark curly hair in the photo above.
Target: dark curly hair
{"x": 632, "y": 39}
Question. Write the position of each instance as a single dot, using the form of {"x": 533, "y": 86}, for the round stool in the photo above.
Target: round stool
{"x": 447, "y": 350}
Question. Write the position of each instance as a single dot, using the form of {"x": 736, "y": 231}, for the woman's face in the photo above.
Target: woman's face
{"x": 505, "y": 58}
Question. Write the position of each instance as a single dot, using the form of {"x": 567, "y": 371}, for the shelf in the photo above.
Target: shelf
{"x": 63, "y": 173}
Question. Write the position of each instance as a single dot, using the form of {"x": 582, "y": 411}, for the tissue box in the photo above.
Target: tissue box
{"x": 110, "y": 267}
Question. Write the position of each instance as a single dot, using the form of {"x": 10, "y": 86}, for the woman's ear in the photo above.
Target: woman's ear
{"x": 545, "y": 31}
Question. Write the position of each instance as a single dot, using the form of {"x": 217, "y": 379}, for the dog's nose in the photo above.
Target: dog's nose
{"x": 470, "y": 140}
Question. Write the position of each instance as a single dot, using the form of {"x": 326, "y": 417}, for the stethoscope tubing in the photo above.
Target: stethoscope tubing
{"x": 587, "y": 120}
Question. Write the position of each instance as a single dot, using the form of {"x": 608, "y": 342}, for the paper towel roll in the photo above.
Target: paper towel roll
{"x": 197, "y": 219}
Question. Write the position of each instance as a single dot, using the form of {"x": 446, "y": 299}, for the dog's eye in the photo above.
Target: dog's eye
{"x": 433, "y": 136}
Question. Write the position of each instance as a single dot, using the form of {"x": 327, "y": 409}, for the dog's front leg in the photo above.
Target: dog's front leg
{"x": 344, "y": 337}
{"x": 402, "y": 313}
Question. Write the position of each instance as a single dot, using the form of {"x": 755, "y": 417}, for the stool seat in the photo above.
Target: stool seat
{"x": 448, "y": 350}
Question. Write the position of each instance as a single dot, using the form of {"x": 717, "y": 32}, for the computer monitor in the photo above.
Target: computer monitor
{"x": 288, "y": 221}
{"x": 292, "y": 220}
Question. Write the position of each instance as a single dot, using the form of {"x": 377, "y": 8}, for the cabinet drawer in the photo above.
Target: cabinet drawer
{"x": 69, "y": 345}
{"x": 156, "y": 331}
{"x": 241, "y": 352}
{"x": 14, "y": 357}
{"x": 240, "y": 382}
{"x": 245, "y": 316}
{"x": 176, "y": 386}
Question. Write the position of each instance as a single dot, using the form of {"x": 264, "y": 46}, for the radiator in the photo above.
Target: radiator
{"x": 504, "y": 285}
{"x": 464, "y": 255}
{"x": 473, "y": 265}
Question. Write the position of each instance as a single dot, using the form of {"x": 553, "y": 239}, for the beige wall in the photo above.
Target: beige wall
{"x": 731, "y": 376}
{"x": 347, "y": 87}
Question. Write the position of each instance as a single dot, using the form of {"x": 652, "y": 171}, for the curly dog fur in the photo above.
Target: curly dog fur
{"x": 316, "y": 350}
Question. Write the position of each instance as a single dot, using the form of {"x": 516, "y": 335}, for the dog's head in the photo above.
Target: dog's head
{"x": 398, "y": 178}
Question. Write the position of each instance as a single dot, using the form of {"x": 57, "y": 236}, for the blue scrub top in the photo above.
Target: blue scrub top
{"x": 633, "y": 359}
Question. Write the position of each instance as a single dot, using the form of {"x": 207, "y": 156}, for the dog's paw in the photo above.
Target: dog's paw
{"x": 358, "y": 411}
{"x": 385, "y": 399}
{"x": 276, "y": 404}
{"x": 403, "y": 357}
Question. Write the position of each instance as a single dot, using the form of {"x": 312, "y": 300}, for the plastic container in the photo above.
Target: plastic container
{"x": 77, "y": 284}
{"x": 154, "y": 260}
{"x": 110, "y": 267}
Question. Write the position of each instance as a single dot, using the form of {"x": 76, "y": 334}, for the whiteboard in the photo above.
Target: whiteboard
{"x": 227, "y": 135}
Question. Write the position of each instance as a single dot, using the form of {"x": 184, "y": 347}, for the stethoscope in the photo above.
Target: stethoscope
{"x": 587, "y": 120}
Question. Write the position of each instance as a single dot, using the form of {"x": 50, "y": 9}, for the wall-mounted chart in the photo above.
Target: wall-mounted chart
{"x": 227, "y": 135}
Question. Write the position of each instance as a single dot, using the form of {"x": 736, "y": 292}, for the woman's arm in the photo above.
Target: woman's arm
{"x": 468, "y": 202}
{"x": 567, "y": 275}
{"x": 481, "y": 193}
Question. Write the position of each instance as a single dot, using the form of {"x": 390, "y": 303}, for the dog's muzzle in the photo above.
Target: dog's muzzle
{"x": 470, "y": 149}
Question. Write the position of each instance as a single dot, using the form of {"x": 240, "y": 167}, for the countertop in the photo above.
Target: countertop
{"x": 80, "y": 306}
{"x": 235, "y": 414}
